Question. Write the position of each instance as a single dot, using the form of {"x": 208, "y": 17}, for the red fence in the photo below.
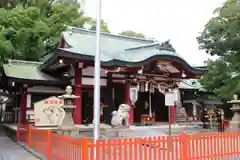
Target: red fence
{"x": 184, "y": 147}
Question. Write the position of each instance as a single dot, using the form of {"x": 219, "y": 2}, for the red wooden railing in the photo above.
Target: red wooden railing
{"x": 184, "y": 147}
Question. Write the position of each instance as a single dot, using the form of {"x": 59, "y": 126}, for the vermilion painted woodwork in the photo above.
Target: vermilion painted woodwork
{"x": 23, "y": 111}
{"x": 128, "y": 101}
{"x": 78, "y": 92}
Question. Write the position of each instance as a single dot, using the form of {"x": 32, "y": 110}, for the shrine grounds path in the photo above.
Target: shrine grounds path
{"x": 10, "y": 150}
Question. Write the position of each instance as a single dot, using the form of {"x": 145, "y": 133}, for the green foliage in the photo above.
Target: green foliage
{"x": 93, "y": 24}
{"x": 220, "y": 80}
{"x": 8, "y": 3}
{"x": 221, "y": 37}
{"x": 132, "y": 34}
{"x": 32, "y": 26}
{"x": 221, "y": 33}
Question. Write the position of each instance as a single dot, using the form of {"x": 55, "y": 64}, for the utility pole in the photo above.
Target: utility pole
{"x": 97, "y": 67}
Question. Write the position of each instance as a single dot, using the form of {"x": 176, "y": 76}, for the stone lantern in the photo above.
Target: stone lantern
{"x": 234, "y": 124}
{"x": 67, "y": 127}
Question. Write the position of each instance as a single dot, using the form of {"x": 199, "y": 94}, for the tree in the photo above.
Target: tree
{"x": 221, "y": 37}
{"x": 8, "y": 3}
{"x": 132, "y": 34}
{"x": 220, "y": 80}
{"x": 27, "y": 30}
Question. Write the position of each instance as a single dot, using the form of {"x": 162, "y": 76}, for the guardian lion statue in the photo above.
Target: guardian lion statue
{"x": 120, "y": 118}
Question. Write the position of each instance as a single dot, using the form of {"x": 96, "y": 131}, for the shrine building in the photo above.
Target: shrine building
{"x": 152, "y": 67}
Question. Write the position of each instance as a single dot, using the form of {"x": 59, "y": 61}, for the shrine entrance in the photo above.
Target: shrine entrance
{"x": 87, "y": 102}
{"x": 157, "y": 102}
{"x": 158, "y": 106}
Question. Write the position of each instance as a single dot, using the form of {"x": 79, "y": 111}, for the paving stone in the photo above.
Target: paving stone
{"x": 10, "y": 150}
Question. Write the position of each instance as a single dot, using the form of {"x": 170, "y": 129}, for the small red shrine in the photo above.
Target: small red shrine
{"x": 152, "y": 66}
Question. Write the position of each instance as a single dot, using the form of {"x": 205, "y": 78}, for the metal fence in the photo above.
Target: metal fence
{"x": 184, "y": 147}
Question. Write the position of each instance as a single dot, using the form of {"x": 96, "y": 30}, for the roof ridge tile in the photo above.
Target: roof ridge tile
{"x": 142, "y": 46}
{"x": 79, "y": 30}
{"x": 11, "y": 61}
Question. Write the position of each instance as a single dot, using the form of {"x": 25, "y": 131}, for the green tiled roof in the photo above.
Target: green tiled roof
{"x": 191, "y": 84}
{"x": 26, "y": 70}
{"x": 127, "y": 55}
{"x": 115, "y": 49}
{"x": 81, "y": 38}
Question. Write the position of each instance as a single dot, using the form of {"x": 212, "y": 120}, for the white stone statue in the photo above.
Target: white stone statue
{"x": 3, "y": 109}
{"x": 120, "y": 118}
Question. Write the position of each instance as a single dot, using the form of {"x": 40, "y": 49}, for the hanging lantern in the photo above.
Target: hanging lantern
{"x": 146, "y": 87}
{"x": 150, "y": 105}
{"x": 152, "y": 86}
{"x": 133, "y": 94}
{"x": 141, "y": 86}
{"x": 138, "y": 86}
{"x": 162, "y": 88}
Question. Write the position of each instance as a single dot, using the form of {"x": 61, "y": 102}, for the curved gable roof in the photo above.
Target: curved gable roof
{"x": 117, "y": 50}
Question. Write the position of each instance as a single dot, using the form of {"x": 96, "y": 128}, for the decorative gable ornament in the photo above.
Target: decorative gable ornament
{"x": 133, "y": 94}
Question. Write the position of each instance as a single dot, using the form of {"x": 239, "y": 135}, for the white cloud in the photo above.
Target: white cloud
{"x": 179, "y": 21}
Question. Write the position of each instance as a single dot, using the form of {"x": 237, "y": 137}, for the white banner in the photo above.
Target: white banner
{"x": 133, "y": 94}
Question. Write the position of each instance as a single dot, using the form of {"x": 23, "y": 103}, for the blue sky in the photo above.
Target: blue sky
{"x": 177, "y": 20}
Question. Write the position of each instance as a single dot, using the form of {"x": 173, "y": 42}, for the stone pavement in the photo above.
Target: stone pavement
{"x": 10, "y": 150}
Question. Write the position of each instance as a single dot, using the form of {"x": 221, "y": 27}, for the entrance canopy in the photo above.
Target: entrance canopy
{"x": 128, "y": 54}
{"x": 27, "y": 72}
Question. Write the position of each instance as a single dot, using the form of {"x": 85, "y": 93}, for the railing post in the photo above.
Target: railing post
{"x": 49, "y": 145}
{"x": 29, "y": 137}
{"x": 84, "y": 149}
{"x": 184, "y": 138}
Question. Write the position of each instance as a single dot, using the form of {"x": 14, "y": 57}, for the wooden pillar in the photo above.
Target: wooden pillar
{"x": 172, "y": 114}
{"x": 108, "y": 99}
{"x": 128, "y": 101}
{"x": 78, "y": 92}
{"x": 23, "y": 107}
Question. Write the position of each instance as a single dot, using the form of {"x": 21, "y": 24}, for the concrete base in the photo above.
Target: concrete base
{"x": 69, "y": 132}
{"x": 91, "y": 127}
{"x": 234, "y": 124}
{"x": 80, "y": 131}
{"x": 134, "y": 132}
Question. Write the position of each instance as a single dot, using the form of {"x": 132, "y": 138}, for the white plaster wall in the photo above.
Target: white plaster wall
{"x": 90, "y": 81}
{"x": 89, "y": 71}
{"x": 45, "y": 89}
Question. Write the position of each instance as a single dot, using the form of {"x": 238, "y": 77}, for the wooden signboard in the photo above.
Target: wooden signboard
{"x": 170, "y": 99}
{"x": 49, "y": 112}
